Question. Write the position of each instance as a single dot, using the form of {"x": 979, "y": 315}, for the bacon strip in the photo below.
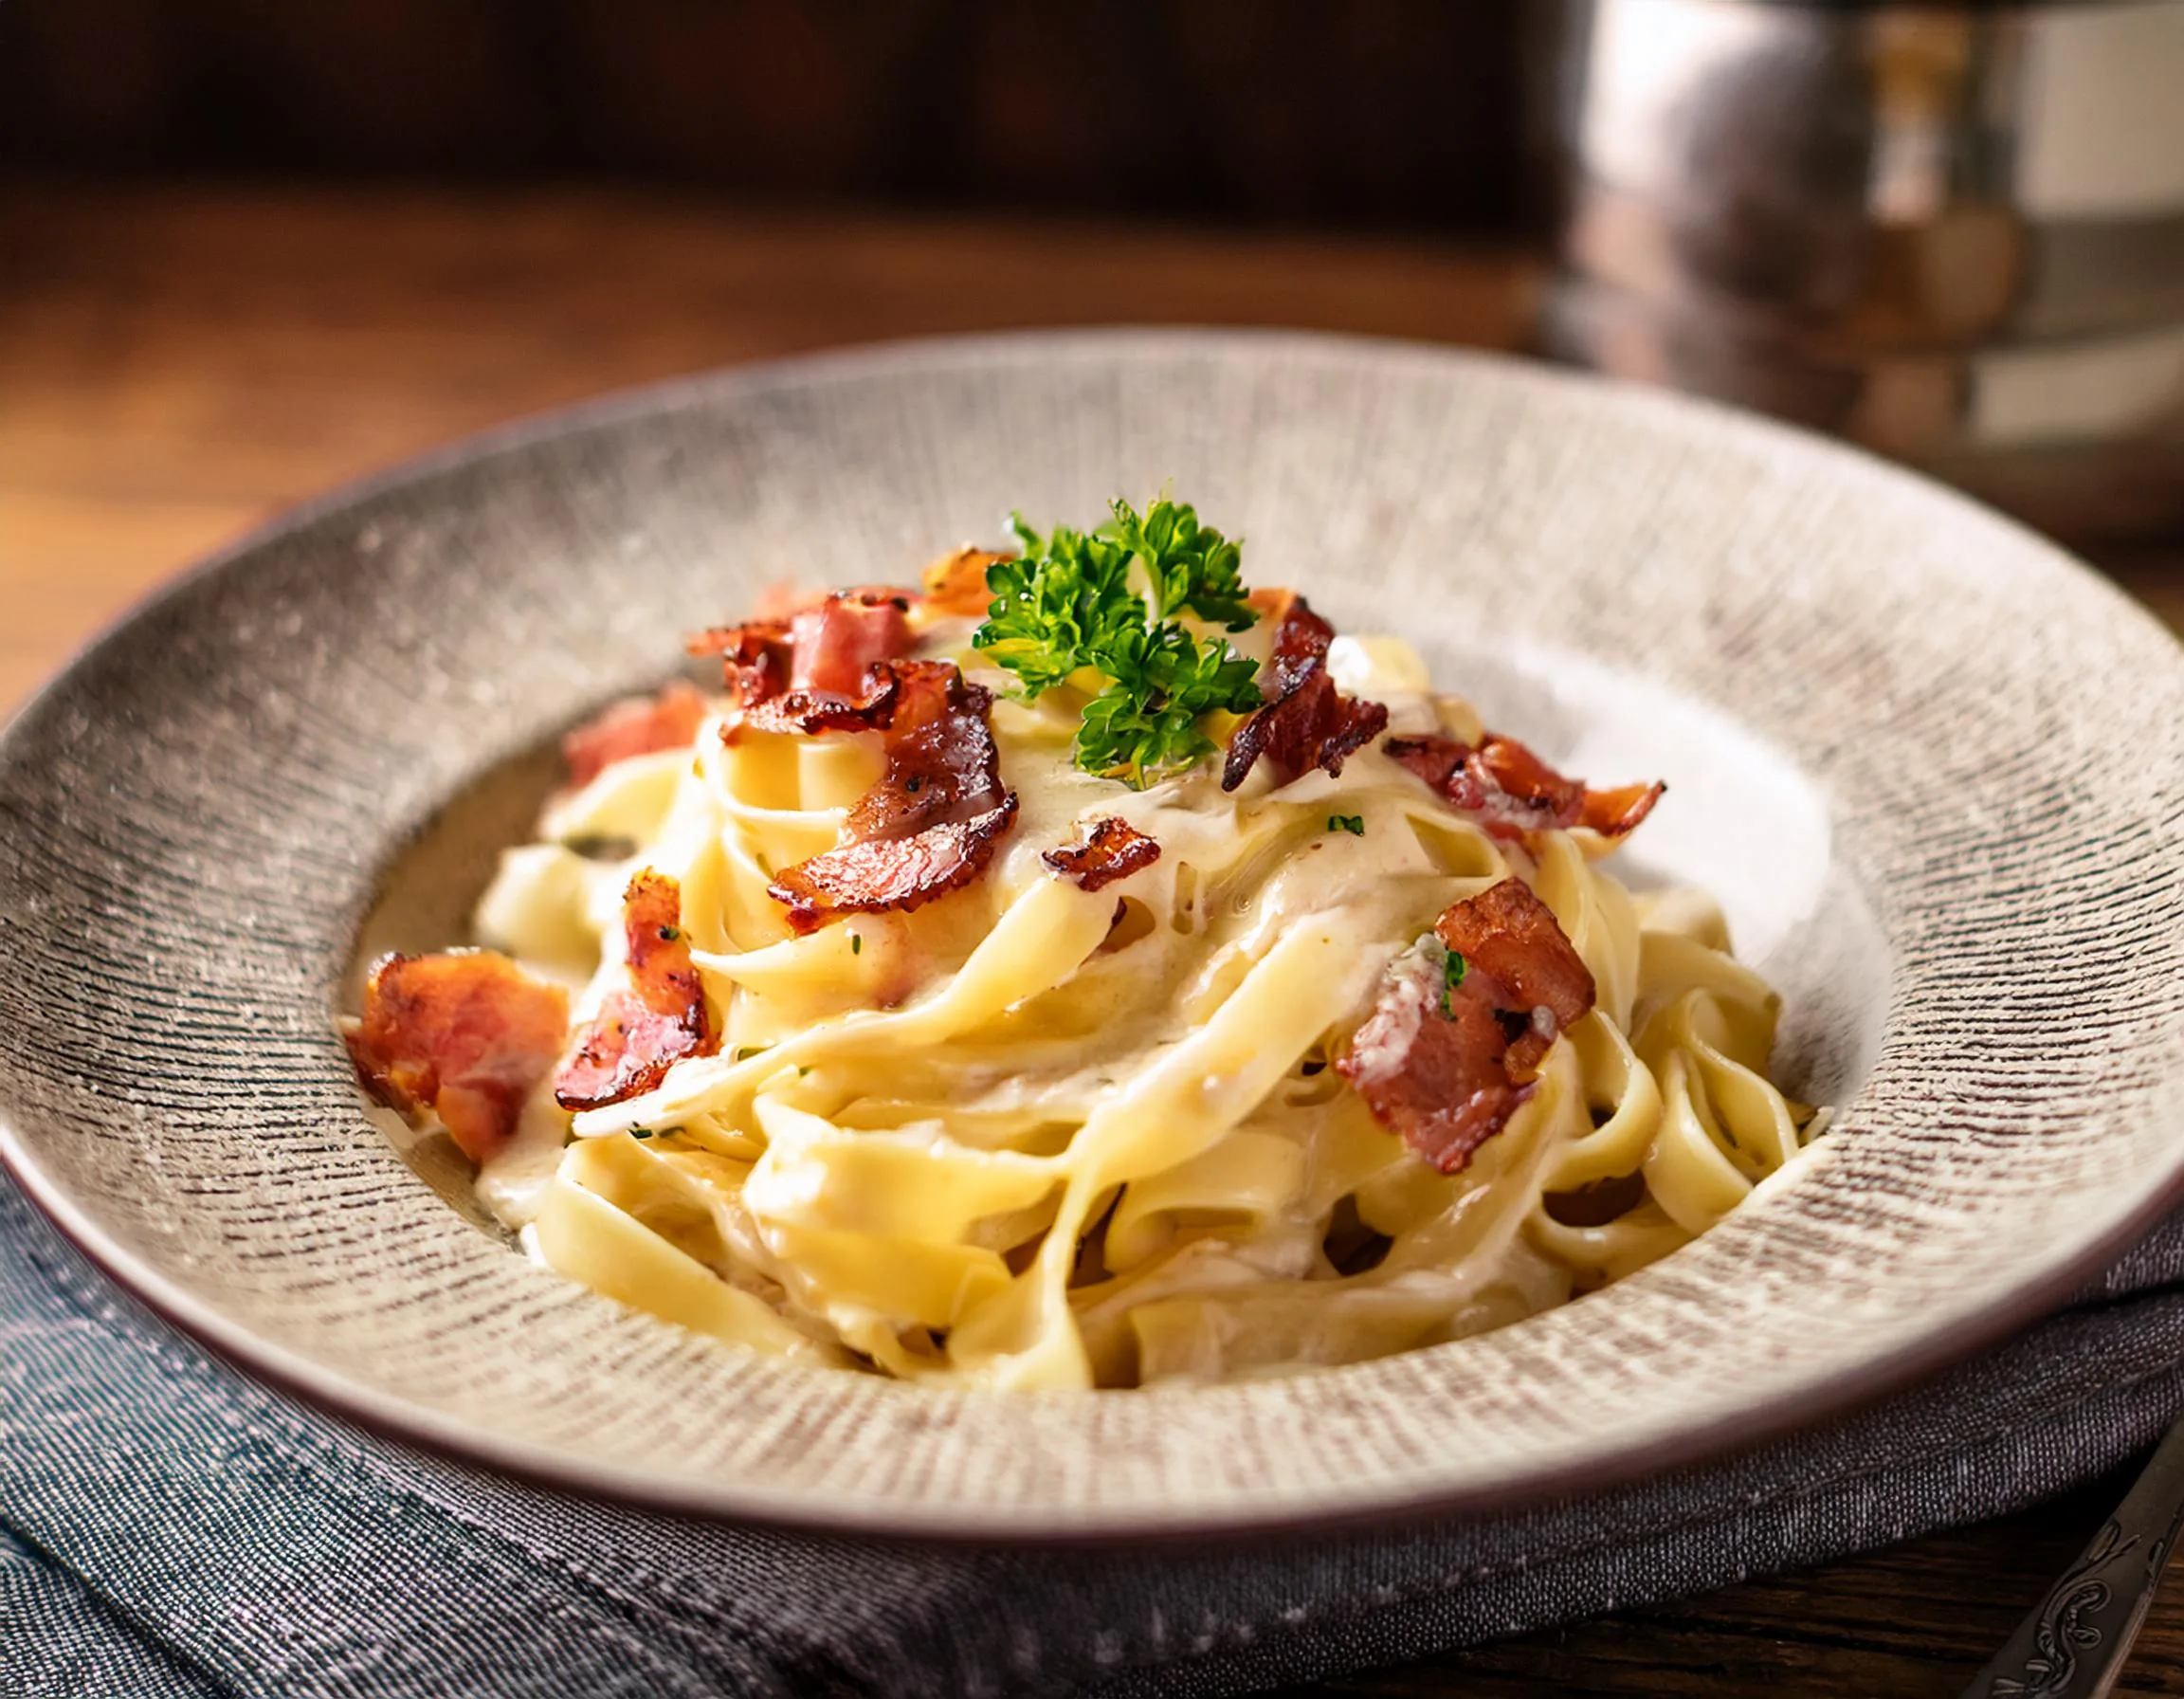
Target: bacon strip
{"x": 659, "y": 1017}
{"x": 1113, "y": 849}
{"x": 637, "y": 725}
{"x": 467, "y": 1034}
{"x": 1445, "y": 1069}
{"x": 1306, "y": 721}
{"x": 1510, "y": 790}
{"x": 841, "y": 640}
{"x": 810, "y": 711}
{"x": 933, "y": 820}
{"x": 956, "y": 584}
{"x": 756, "y": 658}
{"x": 825, "y": 670}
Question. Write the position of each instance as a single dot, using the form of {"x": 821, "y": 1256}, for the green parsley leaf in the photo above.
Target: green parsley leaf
{"x": 856, "y": 943}
{"x": 1145, "y": 724}
{"x": 1353, "y": 824}
{"x": 1110, "y": 601}
{"x": 1064, "y": 598}
{"x": 1452, "y": 973}
{"x": 1190, "y": 568}
{"x": 640, "y": 1132}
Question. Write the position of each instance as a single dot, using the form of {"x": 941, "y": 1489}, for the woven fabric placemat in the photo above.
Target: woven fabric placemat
{"x": 170, "y": 1528}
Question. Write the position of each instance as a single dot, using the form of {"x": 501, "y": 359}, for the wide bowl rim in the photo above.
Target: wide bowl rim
{"x": 2043, "y": 1288}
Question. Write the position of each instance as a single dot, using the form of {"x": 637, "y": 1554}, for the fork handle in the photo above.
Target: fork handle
{"x": 2074, "y": 1644}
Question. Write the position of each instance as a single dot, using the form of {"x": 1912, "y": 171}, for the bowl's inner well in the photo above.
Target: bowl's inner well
{"x": 1740, "y": 822}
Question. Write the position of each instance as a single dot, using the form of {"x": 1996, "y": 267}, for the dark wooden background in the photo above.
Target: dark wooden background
{"x": 1384, "y": 112}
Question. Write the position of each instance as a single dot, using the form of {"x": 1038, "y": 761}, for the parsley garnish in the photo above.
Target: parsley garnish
{"x": 640, "y": 1132}
{"x": 1191, "y": 567}
{"x": 1451, "y": 977}
{"x": 1111, "y": 601}
{"x": 670, "y": 935}
{"x": 747, "y": 1051}
{"x": 856, "y": 943}
{"x": 1353, "y": 824}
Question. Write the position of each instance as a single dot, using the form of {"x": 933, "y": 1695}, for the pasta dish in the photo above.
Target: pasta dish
{"x": 1082, "y": 971}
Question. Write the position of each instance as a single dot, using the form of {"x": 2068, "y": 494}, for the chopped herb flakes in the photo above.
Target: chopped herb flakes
{"x": 1353, "y": 824}
{"x": 856, "y": 945}
{"x": 1452, "y": 976}
{"x": 598, "y": 846}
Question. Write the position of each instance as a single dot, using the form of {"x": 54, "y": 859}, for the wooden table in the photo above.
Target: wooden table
{"x": 178, "y": 363}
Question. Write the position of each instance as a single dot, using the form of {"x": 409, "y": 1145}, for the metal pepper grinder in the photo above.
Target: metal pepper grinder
{"x": 1953, "y": 234}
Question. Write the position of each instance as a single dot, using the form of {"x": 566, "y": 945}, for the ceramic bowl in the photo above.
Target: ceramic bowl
{"x": 1933, "y": 769}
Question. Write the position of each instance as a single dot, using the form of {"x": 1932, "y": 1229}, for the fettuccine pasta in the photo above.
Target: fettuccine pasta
{"x": 1172, "y": 1072}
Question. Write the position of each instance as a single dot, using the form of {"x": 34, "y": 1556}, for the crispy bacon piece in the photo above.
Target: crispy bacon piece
{"x": 637, "y": 725}
{"x": 933, "y": 820}
{"x": 756, "y": 658}
{"x": 1306, "y": 721}
{"x": 1113, "y": 849}
{"x": 841, "y": 640}
{"x": 467, "y": 1034}
{"x": 956, "y": 584}
{"x": 1524, "y": 962}
{"x": 659, "y": 1017}
{"x": 1511, "y": 791}
{"x": 1445, "y": 1068}
{"x": 1614, "y": 814}
{"x": 824, "y": 669}
{"x": 810, "y": 711}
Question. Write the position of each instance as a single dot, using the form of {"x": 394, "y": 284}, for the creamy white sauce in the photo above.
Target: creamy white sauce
{"x": 512, "y": 1183}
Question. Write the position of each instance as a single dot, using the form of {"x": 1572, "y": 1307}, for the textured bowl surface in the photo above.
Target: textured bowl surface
{"x": 1934, "y": 769}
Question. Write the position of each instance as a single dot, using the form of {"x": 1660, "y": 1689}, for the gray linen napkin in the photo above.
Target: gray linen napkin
{"x": 169, "y": 1530}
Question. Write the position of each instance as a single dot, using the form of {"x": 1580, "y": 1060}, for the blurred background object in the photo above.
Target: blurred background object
{"x": 1953, "y": 235}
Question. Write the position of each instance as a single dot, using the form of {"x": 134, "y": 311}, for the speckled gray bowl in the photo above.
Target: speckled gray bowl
{"x": 1936, "y": 770}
